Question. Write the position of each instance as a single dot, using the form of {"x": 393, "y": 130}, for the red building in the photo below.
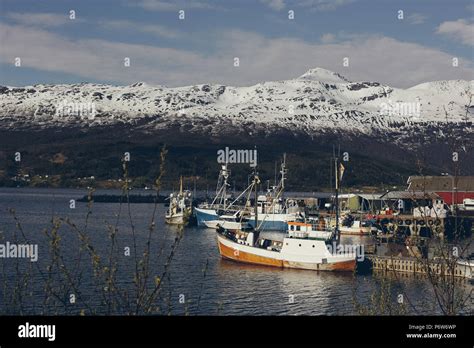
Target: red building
{"x": 449, "y": 188}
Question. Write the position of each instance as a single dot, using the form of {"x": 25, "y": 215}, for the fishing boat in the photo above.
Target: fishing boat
{"x": 272, "y": 210}
{"x": 180, "y": 207}
{"x": 355, "y": 227}
{"x": 293, "y": 252}
{"x": 314, "y": 228}
{"x": 206, "y": 212}
{"x": 296, "y": 250}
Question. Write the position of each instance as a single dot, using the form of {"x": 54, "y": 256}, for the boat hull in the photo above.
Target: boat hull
{"x": 251, "y": 255}
{"x": 178, "y": 218}
{"x": 175, "y": 220}
{"x": 234, "y": 254}
{"x": 354, "y": 231}
{"x": 232, "y": 225}
{"x": 203, "y": 215}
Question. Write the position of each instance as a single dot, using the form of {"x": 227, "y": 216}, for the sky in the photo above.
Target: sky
{"x": 202, "y": 47}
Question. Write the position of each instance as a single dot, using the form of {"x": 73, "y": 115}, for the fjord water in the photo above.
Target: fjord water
{"x": 197, "y": 271}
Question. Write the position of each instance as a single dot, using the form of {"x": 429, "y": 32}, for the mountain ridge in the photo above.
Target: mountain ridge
{"x": 319, "y": 102}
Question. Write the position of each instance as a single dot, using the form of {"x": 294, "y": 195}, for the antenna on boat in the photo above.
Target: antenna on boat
{"x": 225, "y": 175}
{"x": 283, "y": 171}
{"x": 275, "y": 183}
{"x": 255, "y": 183}
{"x": 277, "y": 191}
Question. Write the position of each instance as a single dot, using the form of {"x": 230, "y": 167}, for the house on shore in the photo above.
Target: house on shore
{"x": 453, "y": 190}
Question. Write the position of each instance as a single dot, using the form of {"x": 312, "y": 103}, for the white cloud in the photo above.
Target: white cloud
{"x": 328, "y": 38}
{"x": 372, "y": 58}
{"x": 461, "y": 30}
{"x": 324, "y": 5}
{"x": 41, "y": 19}
{"x": 276, "y": 5}
{"x": 312, "y": 5}
{"x": 417, "y": 18}
{"x": 156, "y": 30}
{"x": 171, "y": 5}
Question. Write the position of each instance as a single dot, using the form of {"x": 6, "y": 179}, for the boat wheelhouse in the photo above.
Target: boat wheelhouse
{"x": 313, "y": 228}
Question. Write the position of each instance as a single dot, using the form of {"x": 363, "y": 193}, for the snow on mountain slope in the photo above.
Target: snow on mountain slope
{"x": 317, "y": 101}
{"x": 323, "y": 75}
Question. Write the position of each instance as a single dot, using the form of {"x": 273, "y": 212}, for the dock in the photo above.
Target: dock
{"x": 415, "y": 266}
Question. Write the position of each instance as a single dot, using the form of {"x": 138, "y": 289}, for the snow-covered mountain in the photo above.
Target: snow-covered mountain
{"x": 318, "y": 101}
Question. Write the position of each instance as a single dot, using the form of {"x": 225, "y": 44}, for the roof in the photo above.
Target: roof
{"x": 441, "y": 183}
{"x": 305, "y": 195}
{"x": 371, "y": 196}
{"x": 346, "y": 195}
{"x": 410, "y": 195}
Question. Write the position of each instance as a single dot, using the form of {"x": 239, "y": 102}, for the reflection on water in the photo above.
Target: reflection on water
{"x": 223, "y": 287}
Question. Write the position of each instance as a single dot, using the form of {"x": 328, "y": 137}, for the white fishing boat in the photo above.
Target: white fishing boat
{"x": 180, "y": 208}
{"x": 357, "y": 227}
{"x": 273, "y": 211}
{"x": 220, "y": 205}
{"x": 293, "y": 252}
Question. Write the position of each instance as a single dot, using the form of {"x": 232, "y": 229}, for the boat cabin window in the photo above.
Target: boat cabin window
{"x": 298, "y": 228}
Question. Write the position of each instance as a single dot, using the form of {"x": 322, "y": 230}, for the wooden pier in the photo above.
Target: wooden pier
{"x": 412, "y": 265}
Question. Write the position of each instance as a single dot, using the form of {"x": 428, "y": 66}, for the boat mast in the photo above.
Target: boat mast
{"x": 337, "y": 199}
{"x": 283, "y": 172}
{"x": 255, "y": 181}
{"x": 180, "y": 201}
{"x": 226, "y": 176}
{"x": 277, "y": 191}
{"x": 336, "y": 174}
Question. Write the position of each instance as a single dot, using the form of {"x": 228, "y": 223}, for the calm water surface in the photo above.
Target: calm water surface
{"x": 224, "y": 287}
